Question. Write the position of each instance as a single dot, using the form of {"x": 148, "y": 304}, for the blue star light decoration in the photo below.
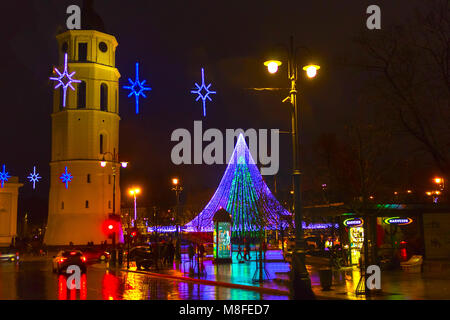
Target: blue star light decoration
{"x": 34, "y": 177}
{"x": 203, "y": 92}
{"x": 66, "y": 177}
{"x": 137, "y": 88}
{"x": 4, "y": 176}
{"x": 65, "y": 80}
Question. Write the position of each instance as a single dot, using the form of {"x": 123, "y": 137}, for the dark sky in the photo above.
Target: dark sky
{"x": 172, "y": 40}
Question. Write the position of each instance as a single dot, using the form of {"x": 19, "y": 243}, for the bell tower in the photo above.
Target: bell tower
{"x": 84, "y": 131}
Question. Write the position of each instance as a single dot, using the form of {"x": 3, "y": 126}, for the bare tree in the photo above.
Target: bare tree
{"x": 409, "y": 65}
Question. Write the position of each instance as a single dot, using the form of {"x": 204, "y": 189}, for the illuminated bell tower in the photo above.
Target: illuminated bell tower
{"x": 84, "y": 131}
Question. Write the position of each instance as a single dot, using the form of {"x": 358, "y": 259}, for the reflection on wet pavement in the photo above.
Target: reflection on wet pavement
{"x": 35, "y": 280}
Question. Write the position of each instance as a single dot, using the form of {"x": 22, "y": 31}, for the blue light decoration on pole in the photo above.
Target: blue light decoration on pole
{"x": 4, "y": 176}
{"x": 137, "y": 88}
{"x": 34, "y": 177}
{"x": 66, "y": 177}
{"x": 203, "y": 92}
{"x": 65, "y": 80}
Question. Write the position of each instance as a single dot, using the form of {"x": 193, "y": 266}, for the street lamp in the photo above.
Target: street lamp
{"x": 272, "y": 65}
{"x": 177, "y": 188}
{"x": 440, "y": 182}
{"x": 114, "y": 162}
{"x": 301, "y": 283}
{"x": 134, "y": 192}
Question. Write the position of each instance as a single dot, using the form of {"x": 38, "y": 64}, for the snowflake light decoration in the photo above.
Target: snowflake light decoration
{"x": 65, "y": 80}
{"x": 137, "y": 88}
{"x": 34, "y": 177}
{"x": 4, "y": 176}
{"x": 203, "y": 92}
{"x": 66, "y": 177}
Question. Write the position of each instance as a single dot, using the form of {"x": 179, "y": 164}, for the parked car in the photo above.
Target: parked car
{"x": 143, "y": 257}
{"x": 66, "y": 258}
{"x": 9, "y": 255}
{"x": 94, "y": 254}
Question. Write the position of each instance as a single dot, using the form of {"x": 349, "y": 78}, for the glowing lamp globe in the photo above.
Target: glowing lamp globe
{"x": 311, "y": 70}
{"x": 272, "y": 65}
{"x": 124, "y": 164}
{"x": 175, "y": 181}
{"x": 103, "y": 163}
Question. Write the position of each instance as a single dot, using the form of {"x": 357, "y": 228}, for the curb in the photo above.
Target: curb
{"x": 213, "y": 283}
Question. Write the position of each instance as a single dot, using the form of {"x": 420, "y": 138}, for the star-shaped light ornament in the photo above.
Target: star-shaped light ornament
{"x": 65, "y": 80}
{"x": 203, "y": 92}
{"x": 4, "y": 176}
{"x": 66, "y": 177}
{"x": 137, "y": 88}
{"x": 34, "y": 177}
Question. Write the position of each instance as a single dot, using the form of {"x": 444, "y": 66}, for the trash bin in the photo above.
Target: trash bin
{"x": 326, "y": 278}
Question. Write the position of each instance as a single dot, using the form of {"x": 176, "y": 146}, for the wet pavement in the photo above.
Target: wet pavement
{"x": 395, "y": 285}
{"x": 35, "y": 280}
{"x": 32, "y": 278}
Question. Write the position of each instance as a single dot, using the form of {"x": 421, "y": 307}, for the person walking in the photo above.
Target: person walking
{"x": 247, "y": 255}
{"x": 191, "y": 253}
{"x": 164, "y": 253}
{"x": 201, "y": 251}
{"x": 239, "y": 253}
{"x": 171, "y": 253}
{"x": 264, "y": 249}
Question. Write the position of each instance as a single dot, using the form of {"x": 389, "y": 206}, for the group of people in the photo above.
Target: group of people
{"x": 163, "y": 252}
{"x": 199, "y": 248}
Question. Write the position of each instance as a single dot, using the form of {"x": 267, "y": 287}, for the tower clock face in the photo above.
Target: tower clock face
{"x": 103, "y": 47}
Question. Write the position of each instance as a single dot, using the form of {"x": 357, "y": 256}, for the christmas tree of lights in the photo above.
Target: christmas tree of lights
{"x": 243, "y": 193}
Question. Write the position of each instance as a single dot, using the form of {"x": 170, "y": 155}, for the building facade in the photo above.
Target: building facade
{"x": 8, "y": 211}
{"x": 84, "y": 132}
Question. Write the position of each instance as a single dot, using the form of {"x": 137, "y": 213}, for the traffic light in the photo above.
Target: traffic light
{"x": 111, "y": 225}
{"x": 133, "y": 232}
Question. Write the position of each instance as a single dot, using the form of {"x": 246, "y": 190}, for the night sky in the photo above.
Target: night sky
{"x": 172, "y": 40}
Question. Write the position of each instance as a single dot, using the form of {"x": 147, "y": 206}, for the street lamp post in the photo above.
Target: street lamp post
{"x": 301, "y": 283}
{"x": 177, "y": 188}
{"x": 134, "y": 192}
{"x": 115, "y": 162}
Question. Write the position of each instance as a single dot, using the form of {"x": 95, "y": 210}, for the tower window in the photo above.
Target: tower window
{"x": 103, "y": 97}
{"x": 101, "y": 144}
{"x": 62, "y": 205}
{"x": 109, "y": 179}
{"x": 87, "y": 204}
{"x": 109, "y": 204}
{"x": 81, "y": 95}
{"x": 88, "y": 178}
{"x": 82, "y": 51}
